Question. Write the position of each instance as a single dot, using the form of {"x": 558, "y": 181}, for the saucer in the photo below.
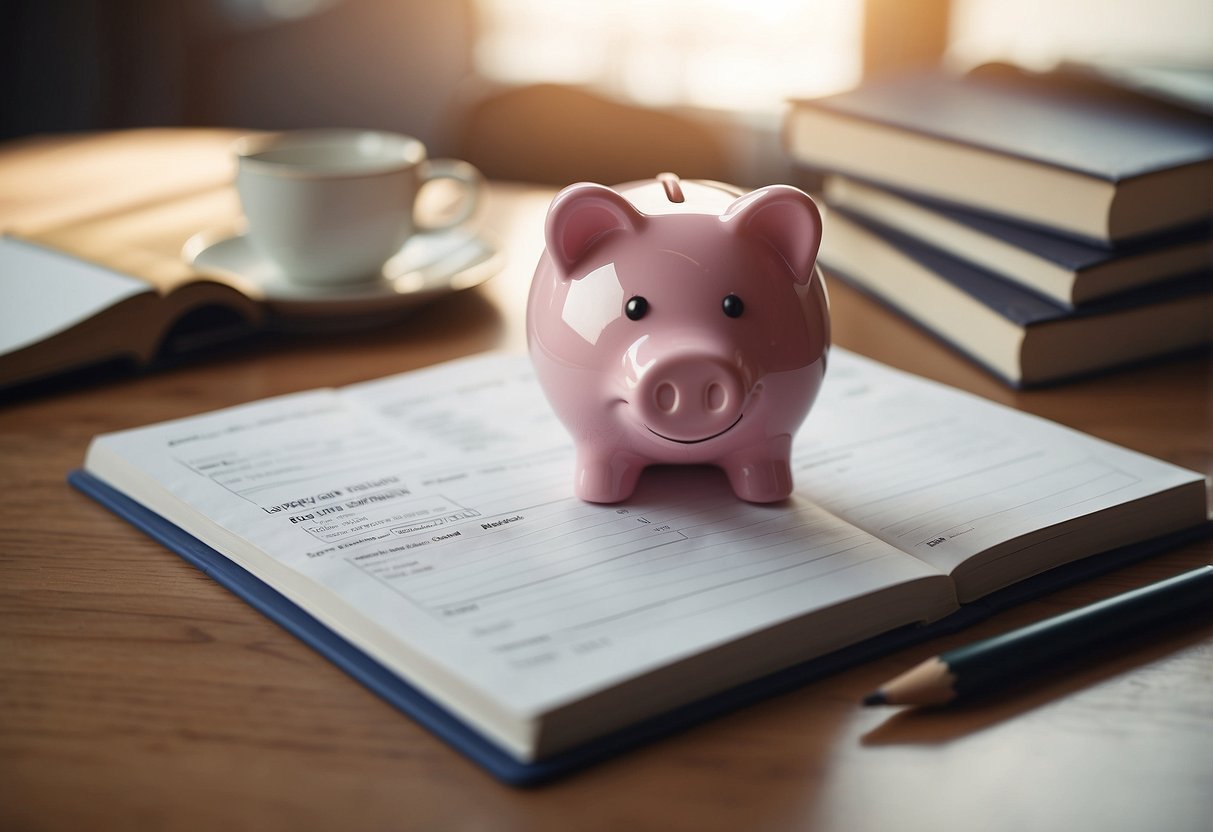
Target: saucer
{"x": 428, "y": 266}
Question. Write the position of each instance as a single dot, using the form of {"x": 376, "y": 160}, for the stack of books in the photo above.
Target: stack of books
{"x": 1049, "y": 226}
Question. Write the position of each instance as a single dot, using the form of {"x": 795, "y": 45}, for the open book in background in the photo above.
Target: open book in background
{"x": 102, "y": 244}
{"x": 1048, "y": 225}
{"x": 419, "y": 530}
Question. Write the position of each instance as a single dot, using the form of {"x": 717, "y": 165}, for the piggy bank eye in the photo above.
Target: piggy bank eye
{"x": 732, "y": 305}
{"x": 636, "y": 308}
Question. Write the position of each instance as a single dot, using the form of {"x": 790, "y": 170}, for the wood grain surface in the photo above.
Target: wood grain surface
{"x": 136, "y": 693}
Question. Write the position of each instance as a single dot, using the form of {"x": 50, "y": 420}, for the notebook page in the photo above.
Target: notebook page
{"x": 436, "y": 506}
{"x": 944, "y": 475}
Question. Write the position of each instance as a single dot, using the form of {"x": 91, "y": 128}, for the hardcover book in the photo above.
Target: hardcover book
{"x": 1101, "y": 166}
{"x": 1020, "y": 336}
{"x": 1068, "y": 271}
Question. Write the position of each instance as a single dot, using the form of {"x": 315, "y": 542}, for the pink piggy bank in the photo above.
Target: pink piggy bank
{"x": 679, "y": 321}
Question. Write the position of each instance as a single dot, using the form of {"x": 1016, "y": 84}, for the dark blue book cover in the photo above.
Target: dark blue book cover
{"x": 1106, "y": 136}
{"x": 1078, "y": 160}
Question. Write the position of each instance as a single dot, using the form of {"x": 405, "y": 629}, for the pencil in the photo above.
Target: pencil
{"x": 990, "y": 663}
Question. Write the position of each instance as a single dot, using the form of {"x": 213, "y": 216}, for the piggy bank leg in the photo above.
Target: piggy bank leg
{"x": 761, "y": 473}
{"x": 606, "y": 477}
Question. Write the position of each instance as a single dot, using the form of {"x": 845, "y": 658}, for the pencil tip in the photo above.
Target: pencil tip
{"x": 876, "y": 698}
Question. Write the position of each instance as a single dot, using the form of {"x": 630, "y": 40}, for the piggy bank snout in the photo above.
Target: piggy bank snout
{"x": 690, "y": 397}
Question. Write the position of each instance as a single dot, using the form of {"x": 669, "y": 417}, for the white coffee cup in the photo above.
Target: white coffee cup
{"x": 330, "y": 207}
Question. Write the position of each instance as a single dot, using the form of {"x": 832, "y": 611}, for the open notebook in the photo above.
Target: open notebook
{"x": 420, "y": 531}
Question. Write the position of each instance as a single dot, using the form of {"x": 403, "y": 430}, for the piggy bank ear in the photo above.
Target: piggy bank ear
{"x": 784, "y": 217}
{"x": 582, "y": 214}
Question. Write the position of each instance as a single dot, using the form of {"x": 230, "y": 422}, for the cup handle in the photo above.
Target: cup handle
{"x": 460, "y": 171}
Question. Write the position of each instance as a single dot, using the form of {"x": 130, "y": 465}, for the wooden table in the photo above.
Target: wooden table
{"x": 137, "y": 693}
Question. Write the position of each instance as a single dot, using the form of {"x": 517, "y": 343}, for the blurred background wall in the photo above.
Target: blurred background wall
{"x": 541, "y": 90}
